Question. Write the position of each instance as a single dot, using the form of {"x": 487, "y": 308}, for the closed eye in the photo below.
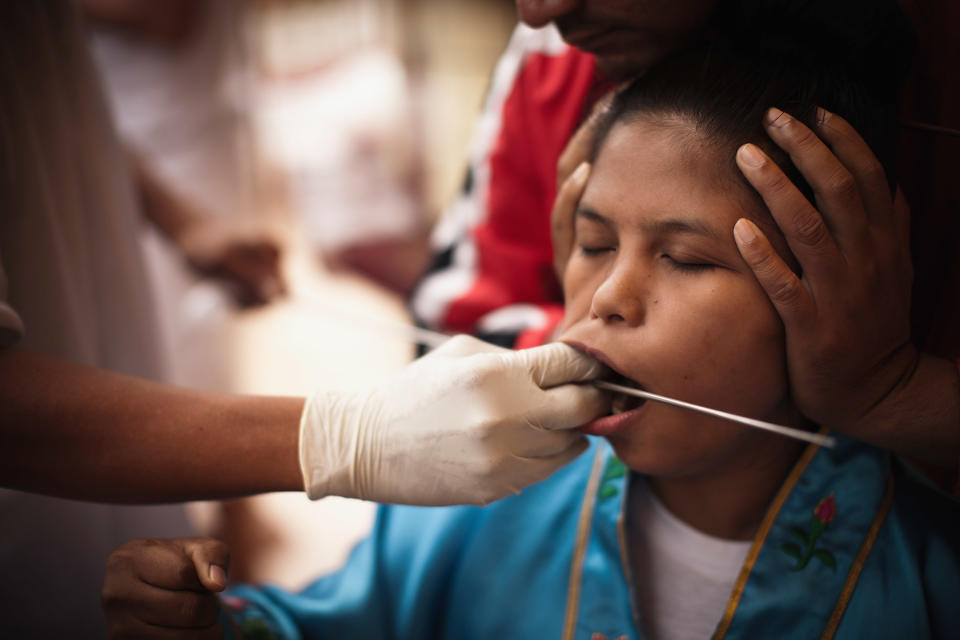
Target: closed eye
{"x": 688, "y": 267}
{"x": 594, "y": 251}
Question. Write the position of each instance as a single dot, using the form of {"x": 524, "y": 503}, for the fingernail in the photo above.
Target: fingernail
{"x": 217, "y": 575}
{"x": 822, "y": 116}
{"x": 751, "y": 155}
{"x": 744, "y": 231}
{"x": 581, "y": 170}
{"x": 777, "y": 118}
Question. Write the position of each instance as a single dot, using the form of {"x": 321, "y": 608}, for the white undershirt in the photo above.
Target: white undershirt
{"x": 683, "y": 577}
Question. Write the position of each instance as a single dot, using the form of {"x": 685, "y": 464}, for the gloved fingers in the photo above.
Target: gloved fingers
{"x": 538, "y": 443}
{"x": 539, "y": 467}
{"x": 558, "y": 363}
{"x": 463, "y": 345}
{"x": 570, "y": 406}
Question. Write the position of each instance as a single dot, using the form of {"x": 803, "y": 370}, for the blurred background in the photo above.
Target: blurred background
{"x": 335, "y": 129}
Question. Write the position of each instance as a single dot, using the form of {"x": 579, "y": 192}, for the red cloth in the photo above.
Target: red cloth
{"x": 540, "y": 93}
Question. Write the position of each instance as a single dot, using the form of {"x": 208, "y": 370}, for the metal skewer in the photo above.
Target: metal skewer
{"x": 790, "y": 432}
{"x": 433, "y": 339}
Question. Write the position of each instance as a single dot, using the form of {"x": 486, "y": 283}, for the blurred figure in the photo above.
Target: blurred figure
{"x": 178, "y": 80}
{"x": 78, "y": 283}
{"x": 176, "y": 77}
{"x": 340, "y": 115}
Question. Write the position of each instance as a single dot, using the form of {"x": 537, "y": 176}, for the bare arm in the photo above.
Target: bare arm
{"x": 247, "y": 258}
{"x": 78, "y": 432}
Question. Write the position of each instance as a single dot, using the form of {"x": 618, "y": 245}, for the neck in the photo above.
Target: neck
{"x": 730, "y": 502}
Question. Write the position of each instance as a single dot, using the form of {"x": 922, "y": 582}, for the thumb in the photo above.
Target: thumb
{"x": 211, "y": 559}
{"x": 558, "y": 363}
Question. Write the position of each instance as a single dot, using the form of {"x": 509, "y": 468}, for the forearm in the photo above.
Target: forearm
{"x": 921, "y": 416}
{"x": 84, "y": 433}
{"x": 169, "y": 212}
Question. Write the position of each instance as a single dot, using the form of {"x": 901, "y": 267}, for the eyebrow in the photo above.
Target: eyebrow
{"x": 667, "y": 226}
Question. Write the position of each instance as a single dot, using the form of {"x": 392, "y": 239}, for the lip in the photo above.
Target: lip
{"x": 613, "y": 423}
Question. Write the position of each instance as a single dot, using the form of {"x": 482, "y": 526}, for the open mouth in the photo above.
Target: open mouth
{"x": 622, "y": 402}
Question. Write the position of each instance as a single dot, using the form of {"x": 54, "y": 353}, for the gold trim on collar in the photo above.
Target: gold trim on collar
{"x": 761, "y": 537}
{"x": 858, "y": 563}
{"x": 580, "y": 546}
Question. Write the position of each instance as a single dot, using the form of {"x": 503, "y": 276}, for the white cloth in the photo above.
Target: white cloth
{"x": 183, "y": 106}
{"x": 683, "y": 576}
{"x": 68, "y": 227}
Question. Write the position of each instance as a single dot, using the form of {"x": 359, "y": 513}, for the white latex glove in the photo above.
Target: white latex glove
{"x": 469, "y": 423}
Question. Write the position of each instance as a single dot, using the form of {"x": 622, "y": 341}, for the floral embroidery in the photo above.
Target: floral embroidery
{"x": 615, "y": 469}
{"x": 822, "y": 515}
{"x": 235, "y": 603}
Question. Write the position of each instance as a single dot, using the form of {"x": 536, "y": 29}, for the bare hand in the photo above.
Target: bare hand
{"x": 571, "y": 179}
{"x": 847, "y": 318}
{"x": 248, "y": 260}
{"x": 165, "y": 588}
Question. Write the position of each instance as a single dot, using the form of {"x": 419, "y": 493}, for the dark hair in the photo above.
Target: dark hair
{"x": 786, "y": 54}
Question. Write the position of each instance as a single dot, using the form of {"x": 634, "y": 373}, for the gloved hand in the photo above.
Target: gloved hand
{"x": 469, "y": 423}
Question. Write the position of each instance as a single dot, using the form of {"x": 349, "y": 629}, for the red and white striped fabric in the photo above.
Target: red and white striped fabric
{"x": 492, "y": 274}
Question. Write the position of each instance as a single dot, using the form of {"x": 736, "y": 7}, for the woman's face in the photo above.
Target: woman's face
{"x": 657, "y": 290}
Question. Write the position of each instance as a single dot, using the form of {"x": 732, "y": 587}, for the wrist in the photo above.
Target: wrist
{"x": 329, "y": 446}
{"x": 920, "y": 416}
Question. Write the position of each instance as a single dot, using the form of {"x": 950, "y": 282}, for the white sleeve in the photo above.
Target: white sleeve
{"x": 11, "y": 327}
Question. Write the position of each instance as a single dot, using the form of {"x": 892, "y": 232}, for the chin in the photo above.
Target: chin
{"x": 624, "y": 67}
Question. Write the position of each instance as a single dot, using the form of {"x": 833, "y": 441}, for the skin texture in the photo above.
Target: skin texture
{"x": 83, "y": 433}
{"x": 625, "y": 36}
{"x": 655, "y": 287}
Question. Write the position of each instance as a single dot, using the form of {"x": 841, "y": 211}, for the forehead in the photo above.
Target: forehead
{"x": 663, "y": 165}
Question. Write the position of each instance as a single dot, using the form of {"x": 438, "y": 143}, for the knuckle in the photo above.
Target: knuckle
{"x": 185, "y": 571}
{"x": 809, "y": 229}
{"x": 802, "y": 137}
{"x": 874, "y": 171}
{"x": 190, "y": 608}
{"x": 787, "y": 292}
{"x": 777, "y": 184}
{"x": 842, "y": 184}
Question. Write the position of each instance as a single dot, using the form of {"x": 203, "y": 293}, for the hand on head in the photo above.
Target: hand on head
{"x": 847, "y": 317}
{"x": 165, "y": 588}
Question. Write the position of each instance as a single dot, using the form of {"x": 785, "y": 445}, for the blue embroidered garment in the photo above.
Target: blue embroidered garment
{"x": 854, "y": 545}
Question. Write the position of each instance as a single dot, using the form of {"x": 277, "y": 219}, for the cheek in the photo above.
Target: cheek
{"x": 729, "y": 352}
{"x": 578, "y": 292}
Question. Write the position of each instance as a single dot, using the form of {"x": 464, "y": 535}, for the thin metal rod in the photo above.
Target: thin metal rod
{"x": 433, "y": 339}
{"x": 790, "y": 432}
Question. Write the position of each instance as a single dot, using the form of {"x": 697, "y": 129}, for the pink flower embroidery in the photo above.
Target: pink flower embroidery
{"x": 235, "y": 603}
{"x": 826, "y": 509}
{"x": 823, "y": 513}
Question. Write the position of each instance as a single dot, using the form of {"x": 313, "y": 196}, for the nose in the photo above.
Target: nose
{"x": 537, "y": 13}
{"x": 622, "y": 297}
